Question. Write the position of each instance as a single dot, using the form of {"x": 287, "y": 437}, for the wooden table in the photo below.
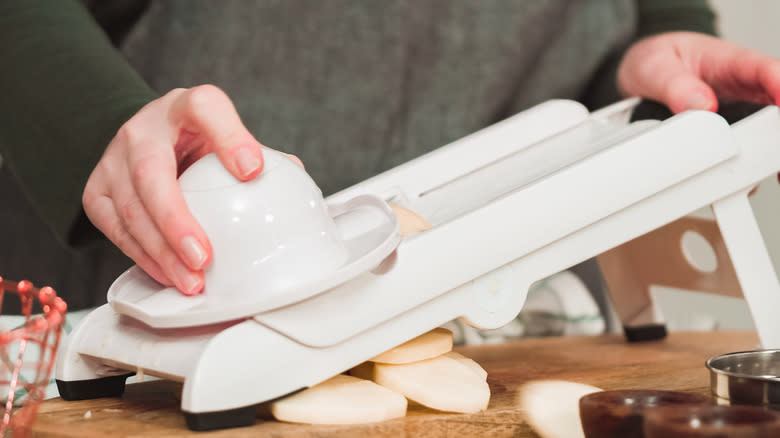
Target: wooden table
{"x": 676, "y": 363}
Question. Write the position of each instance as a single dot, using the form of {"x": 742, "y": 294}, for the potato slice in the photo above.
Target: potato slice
{"x": 341, "y": 400}
{"x": 434, "y": 343}
{"x": 441, "y": 383}
{"x": 366, "y": 369}
{"x": 470, "y": 363}
{"x": 411, "y": 223}
{"x": 552, "y": 407}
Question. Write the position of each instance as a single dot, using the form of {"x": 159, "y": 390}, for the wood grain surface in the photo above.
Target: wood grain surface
{"x": 151, "y": 409}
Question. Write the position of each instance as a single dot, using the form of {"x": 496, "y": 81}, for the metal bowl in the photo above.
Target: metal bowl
{"x": 746, "y": 377}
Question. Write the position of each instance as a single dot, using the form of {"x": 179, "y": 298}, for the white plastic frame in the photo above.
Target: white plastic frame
{"x": 475, "y": 263}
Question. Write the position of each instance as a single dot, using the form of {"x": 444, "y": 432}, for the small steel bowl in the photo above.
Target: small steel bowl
{"x": 746, "y": 378}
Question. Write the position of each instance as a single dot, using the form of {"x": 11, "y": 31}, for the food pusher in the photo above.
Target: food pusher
{"x": 511, "y": 204}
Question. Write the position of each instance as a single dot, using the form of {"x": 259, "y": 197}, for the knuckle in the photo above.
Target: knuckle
{"x": 131, "y": 132}
{"x": 171, "y": 97}
{"x": 116, "y": 232}
{"x": 88, "y": 201}
{"x": 165, "y": 258}
{"x": 203, "y": 96}
{"x": 89, "y": 193}
{"x": 175, "y": 92}
{"x": 91, "y": 197}
{"x": 144, "y": 168}
{"x": 130, "y": 212}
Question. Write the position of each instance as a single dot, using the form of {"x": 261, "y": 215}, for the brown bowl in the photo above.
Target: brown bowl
{"x": 711, "y": 421}
{"x": 619, "y": 413}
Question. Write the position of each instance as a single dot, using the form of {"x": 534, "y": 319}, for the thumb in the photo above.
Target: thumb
{"x": 687, "y": 92}
{"x": 654, "y": 72}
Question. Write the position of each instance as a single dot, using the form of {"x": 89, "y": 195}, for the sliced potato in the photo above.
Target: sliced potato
{"x": 429, "y": 345}
{"x": 552, "y": 407}
{"x": 441, "y": 383}
{"x": 470, "y": 363}
{"x": 341, "y": 400}
{"x": 411, "y": 222}
{"x": 366, "y": 369}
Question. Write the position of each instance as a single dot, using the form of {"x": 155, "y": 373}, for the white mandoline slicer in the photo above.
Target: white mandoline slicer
{"x": 511, "y": 204}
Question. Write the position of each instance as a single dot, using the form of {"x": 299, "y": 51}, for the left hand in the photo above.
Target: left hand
{"x": 687, "y": 71}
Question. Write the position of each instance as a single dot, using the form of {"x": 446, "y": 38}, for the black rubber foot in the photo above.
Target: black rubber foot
{"x": 641, "y": 333}
{"x": 238, "y": 417}
{"x": 112, "y": 386}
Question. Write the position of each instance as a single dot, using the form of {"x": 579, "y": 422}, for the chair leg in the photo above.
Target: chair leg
{"x": 752, "y": 264}
{"x": 631, "y": 299}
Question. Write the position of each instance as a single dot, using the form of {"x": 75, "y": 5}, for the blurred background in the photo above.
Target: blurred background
{"x": 753, "y": 24}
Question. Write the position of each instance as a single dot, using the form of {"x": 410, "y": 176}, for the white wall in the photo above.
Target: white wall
{"x": 752, "y": 23}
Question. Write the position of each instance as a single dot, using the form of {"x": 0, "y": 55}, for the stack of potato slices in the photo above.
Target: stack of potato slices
{"x": 424, "y": 370}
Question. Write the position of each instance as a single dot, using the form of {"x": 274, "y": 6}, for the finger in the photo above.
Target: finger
{"x": 137, "y": 221}
{"x": 667, "y": 79}
{"x": 169, "y": 224}
{"x": 769, "y": 77}
{"x": 152, "y": 171}
{"x": 654, "y": 69}
{"x": 100, "y": 210}
{"x": 209, "y": 111}
{"x": 743, "y": 75}
{"x": 686, "y": 91}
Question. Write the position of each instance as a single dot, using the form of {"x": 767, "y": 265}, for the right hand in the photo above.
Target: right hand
{"x": 133, "y": 195}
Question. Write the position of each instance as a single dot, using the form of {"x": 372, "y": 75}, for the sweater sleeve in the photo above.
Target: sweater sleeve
{"x": 653, "y": 17}
{"x": 64, "y": 92}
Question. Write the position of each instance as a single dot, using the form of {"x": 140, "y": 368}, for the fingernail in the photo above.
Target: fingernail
{"x": 698, "y": 102}
{"x": 195, "y": 254}
{"x": 188, "y": 280}
{"x": 246, "y": 161}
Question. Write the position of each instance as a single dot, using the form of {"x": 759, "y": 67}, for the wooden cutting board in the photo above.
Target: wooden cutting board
{"x": 676, "y": 363}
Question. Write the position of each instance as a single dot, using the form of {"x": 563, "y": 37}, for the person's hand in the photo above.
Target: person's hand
{"x": 133, "y": 196}
{"x": 687, "y": 70}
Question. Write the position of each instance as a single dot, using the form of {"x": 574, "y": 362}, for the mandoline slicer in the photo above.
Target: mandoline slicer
{"x": 509, "y": 205}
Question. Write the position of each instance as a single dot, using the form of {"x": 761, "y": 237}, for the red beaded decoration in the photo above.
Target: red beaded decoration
{"x": 39, "y": 336}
